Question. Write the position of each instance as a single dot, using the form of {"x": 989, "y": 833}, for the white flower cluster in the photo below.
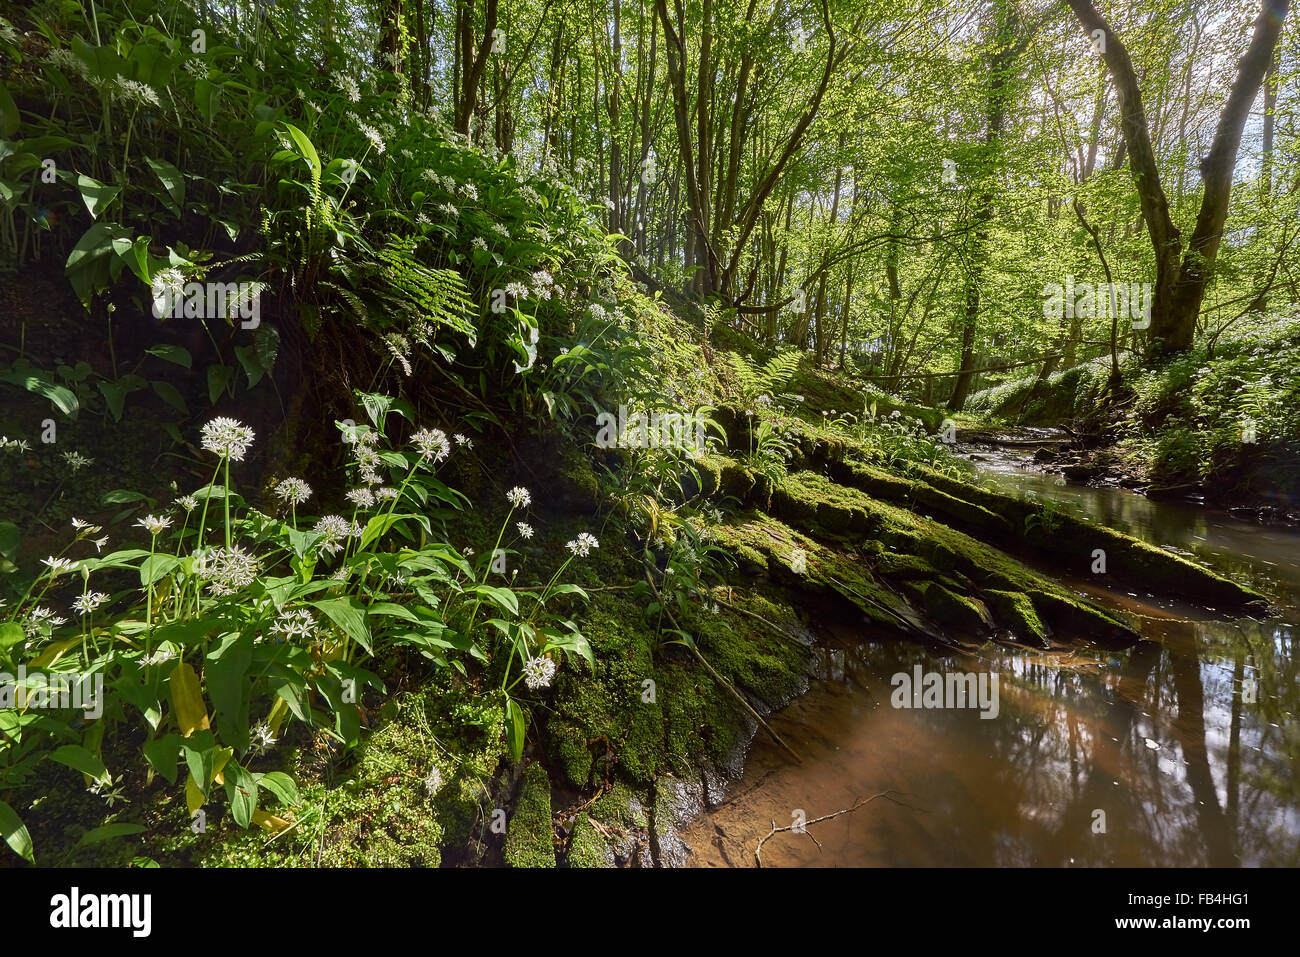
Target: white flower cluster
{"x": 583, "y": 544}
{"x": 134, "y": 90}
{"x": 538, "y": 673}
{"x": 227, "y": 437}
{"x": 347, "y": 86}
{"x": 68, "y": 62}
{"x": 293, "y": 491}
{"x": 432, "y": 444}
{"x": 296, "y": 623}
{"x": 334, "y": 531}
{"x": 228, "y": 570}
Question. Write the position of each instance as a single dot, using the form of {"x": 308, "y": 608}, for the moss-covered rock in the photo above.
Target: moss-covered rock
{"x": 530, "y": 839}
{"x": 586, "y": 846}
{"x": 1016, "y": 611}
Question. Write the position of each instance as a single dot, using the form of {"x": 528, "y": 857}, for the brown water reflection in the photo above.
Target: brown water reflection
{"x": 1220, "y": 788}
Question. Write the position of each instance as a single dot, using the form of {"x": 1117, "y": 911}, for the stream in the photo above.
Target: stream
{"x": 1182, "y": 750}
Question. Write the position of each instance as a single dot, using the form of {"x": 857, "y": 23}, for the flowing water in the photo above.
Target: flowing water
{"x": 1181, "y": 750}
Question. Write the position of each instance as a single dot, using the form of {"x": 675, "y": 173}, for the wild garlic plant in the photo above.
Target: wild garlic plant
{"x": 236, "y": 633}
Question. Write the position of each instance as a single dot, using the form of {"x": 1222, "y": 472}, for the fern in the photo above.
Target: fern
{"x": 770, "y": 379}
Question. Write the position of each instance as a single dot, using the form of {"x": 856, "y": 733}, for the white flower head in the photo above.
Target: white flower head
{"x": 154, "y": 525}
{"x": 293, "y": 491}
{"x": 538, "y": 673}
{"x": 188, "y": 502}
{"x": 58, "y": 566}
{"x": 334, "y": 530}
{"x": 583, "y": 544}
{"x": 432, "y": 782}
{"x": 525, "y": 529}
{"x": 296, "y": 623}
{"x": 227, "y": 437}
{"x": 261, "y": 739}
{"x": 432, "y": 444}
{"x": 361, "y": 497}
{"x": 230, "y": 569}
{"x": 519, "y": 497}
{"x": 88, "y": 602}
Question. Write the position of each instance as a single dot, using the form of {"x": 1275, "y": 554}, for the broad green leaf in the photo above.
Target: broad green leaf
{"x": 282, "y": 786}
{"x": 515, "y": 729}
{"x": 108, "y": 832}
{"x": 241, "y": 789}
{"x": 155, "y": 567}
{"x": 94, "y": 194}
{"x": 9, "y": 116}
{"x": 15, "y": 833}
{"x": 187, "y": 700}
{"x": 171, "y": 395}
{"x": 79, "y": 759}
{"x": 164, "y": 754}
{"x": 350, "y": 615}
{"x": 177, "y": 354}
{"x": 170, "y": 177}
{"x": 304, "y": 146}
{"x": 503, "y": 597}
{"x": 219, "y": 376}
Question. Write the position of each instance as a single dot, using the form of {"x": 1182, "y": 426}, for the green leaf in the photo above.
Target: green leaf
{"x": 282, "y": 786}
{"x": 11, "y": 633}
{"x": 248, "y": 358}
{"x": 171, "y": 395}
{"x": 155, "y": 567}
{"x": 94, "y": 194}
{"x": 515, "y": 728}
{"x": 79, "y": 759}
{"x": 241, "y": 789}
{"x": 503, "y": 597}
{"x": 350, "y": 615}
{"x": 225, "y": 674}
{"x": 122, "y": 495}
{"x": 395, "y": 610}
{"x": 115, "y": 396}
{"x": 200, "y": 750}
{"x": 9, "y": 539}
{"x": 305, "y": 147}
{"x": 63, "y": 399}
{"x": 84, "y": 267}
{"x": 177, "y": 354}
{"x": 9, "y": 116}
{"x": 170, "y": 177}
{"x": 15, "y": 833}
{"x": 376, "y": 527}
{"x": 219, "y": 376}
{"x": 107, "y": 832}
{"x": 188, "y": 632}
{"x": 164, "y": 755}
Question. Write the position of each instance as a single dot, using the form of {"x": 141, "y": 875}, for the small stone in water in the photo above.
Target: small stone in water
{"x": 1152, "y": 745}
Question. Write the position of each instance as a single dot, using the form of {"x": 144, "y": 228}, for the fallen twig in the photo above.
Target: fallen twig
{"x": 803, "y": 828}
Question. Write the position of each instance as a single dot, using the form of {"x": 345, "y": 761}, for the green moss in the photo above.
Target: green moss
{"x": 529, "y": 835}
{"x": 946, "y": 607}
{"x": 1017, "y": 611}
{"x": 586, "y": 847}
{"x": 621, "y": 806}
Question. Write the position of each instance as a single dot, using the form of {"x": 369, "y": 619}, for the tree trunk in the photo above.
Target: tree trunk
{"x": 1180, "y": 286}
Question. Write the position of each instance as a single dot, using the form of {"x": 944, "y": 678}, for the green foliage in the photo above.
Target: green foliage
{"x": 221, "y": 647}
